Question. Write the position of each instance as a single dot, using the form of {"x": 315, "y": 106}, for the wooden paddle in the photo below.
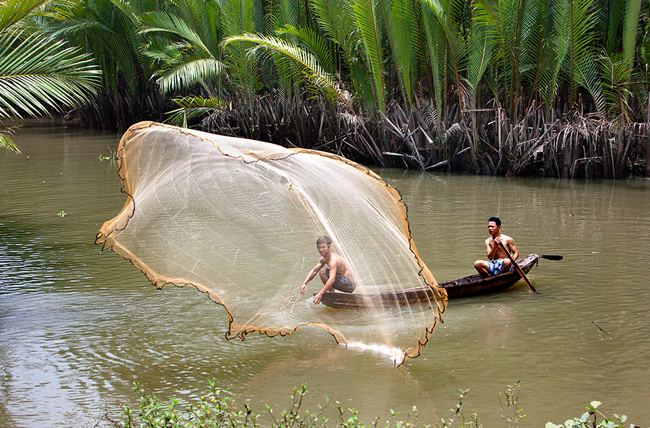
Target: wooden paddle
{"x": 518, "y": 269}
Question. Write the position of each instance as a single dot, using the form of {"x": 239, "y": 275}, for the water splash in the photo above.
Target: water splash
{"x": 395, "y": 354}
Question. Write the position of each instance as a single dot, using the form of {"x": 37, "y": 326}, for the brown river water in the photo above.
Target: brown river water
{"x": 78, "y": 326}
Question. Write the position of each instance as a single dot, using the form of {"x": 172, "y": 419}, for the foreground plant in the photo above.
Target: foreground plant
{"x": 594, "y": 418}
{"x": 217, "y": 408}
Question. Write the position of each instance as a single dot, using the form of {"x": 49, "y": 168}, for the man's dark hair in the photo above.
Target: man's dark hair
{"x": 497, "y": 220}
{"x": 324, "y": 240}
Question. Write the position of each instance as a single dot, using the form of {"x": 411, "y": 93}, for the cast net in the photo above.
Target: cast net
{"x": 238, "y": 220}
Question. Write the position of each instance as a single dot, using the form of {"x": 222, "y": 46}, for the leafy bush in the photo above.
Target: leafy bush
{"x": 593, "y": 418}
{"x": 217, "y": 408}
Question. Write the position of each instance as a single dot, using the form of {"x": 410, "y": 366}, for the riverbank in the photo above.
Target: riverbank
{"x": 505, "y": 91}
{"x": 568, "y": 146}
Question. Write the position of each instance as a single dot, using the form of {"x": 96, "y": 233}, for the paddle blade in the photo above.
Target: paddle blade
{"x": 552, "y": 256}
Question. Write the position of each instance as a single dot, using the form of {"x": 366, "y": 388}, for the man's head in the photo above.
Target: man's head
{"x": 323, "y": 244}
{"x": 494, "y": 226}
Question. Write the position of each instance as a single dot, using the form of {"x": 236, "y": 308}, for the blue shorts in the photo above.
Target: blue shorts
{"x": 342, "y": 282}
{"x": 495, "y": 267}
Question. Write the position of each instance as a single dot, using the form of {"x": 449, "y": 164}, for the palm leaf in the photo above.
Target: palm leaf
{"x": 190, "y": 73}
{"x": 290, "y": 55}
{"x": 39, "y": 74}
{"x": 110, "y": 30}
{"x": 336, "y": 19}
{"x": 7, "y": 141}
{"x": 615, "y": 72}
{"x": 558, "y": 46}
{"x": 190, "y": 108}
{"x": 435, "y": 43}
{"x": 630, "y": 29}
{"x": 402, "y": 25}
{"x": 159, "y": 22}
{"x": 314, "y": 42}
{"x": 14, "y": 11}
{"x": 239, "y": 17}
{"x": 443, "y": 42}
{"x": 581, "y": 65}
{"x": 481, "y": 45}
{"x": 367, "y": 18}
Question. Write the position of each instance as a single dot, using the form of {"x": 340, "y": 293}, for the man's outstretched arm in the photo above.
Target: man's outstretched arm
{"x": 312, "y": 273}
{"x": 329, "y": 285}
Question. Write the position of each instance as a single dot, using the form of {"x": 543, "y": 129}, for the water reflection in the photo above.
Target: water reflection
{"x": 78, "y": 327}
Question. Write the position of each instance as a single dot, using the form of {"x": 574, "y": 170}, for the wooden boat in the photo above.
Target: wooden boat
{"x": 472, "y": 285}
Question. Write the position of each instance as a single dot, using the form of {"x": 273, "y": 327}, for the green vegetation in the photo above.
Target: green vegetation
{"x": 545, "y": 87}
{"x": 593, "y": 418}
{"x": 217, "y": 408}
{"x": 38, "y": 74}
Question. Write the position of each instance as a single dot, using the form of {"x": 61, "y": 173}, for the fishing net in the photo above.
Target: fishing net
{"x": 238, "y": 220}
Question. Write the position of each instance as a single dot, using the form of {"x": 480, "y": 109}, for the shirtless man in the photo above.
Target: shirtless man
{"x": 498, "y": 261}
{"x": 334, "y": 271}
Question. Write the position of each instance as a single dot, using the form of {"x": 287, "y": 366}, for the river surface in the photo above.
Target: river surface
{"x": 78, "y": 327}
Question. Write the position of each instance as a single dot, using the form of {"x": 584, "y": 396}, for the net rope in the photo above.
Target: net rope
{"x": 238, "y": 219}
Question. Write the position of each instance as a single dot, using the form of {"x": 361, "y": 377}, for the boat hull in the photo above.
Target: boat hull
{"x": 468, "y": 286}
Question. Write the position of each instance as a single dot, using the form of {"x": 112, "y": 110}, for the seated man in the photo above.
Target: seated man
{"x": 498, "y": 261}
{"x": 334, "y": 271}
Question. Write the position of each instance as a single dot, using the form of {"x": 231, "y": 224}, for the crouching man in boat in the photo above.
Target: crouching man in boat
{"x": 498, "y": 261}
{"x": 334, "y": 271}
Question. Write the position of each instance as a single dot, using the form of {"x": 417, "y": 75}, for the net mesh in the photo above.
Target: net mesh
{"x": 238, "y": 219}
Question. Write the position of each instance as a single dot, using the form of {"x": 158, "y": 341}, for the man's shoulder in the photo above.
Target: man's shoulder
{"x": 507, "y": 238}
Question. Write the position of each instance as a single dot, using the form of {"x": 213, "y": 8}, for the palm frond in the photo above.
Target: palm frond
{"x": 314, "y": 42}
{"x": 191, "y": 108}
{"x": 581, "y": 62}
{"x": 160, "y": 22}
{"x": 481, "y": 45}
{"x": 435, "y": 43}
{"x": 7, "y": 141}
{"x": 39, "y": 74}
{"x": 615, "y": 72}
{"x": 336, "y": 19}
{"x": 283, "y": 51}
{"x": 14, "y": 11}
{"x": 367, "y": 18}
{"x": 190, "y": 73}
{"x": 630, "y": 28}
{"x": 402, "y": 25}
{"x": 111, "y": 33}
{"x": 444, "y": 42}
{"x": 556, "y": 51}
{"x": 239, "y": 17}
{"x": 587, "y": 75}
{"x": 533, "y": 41}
